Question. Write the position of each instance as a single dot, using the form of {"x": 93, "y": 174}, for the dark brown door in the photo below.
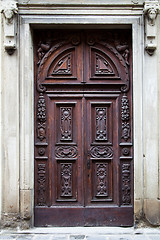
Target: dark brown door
{"x": 83, "y": 128}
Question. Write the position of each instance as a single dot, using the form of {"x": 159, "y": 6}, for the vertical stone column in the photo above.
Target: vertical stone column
{"x": 150, "y": 115}
{"x": 9, "y": 114}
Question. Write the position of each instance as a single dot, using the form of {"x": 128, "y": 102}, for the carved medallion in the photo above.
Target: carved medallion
{"x": 101, "y": 152}
{"x": 66, "y": 151}
{"x": 66, "y": 180}
{"x": 101, "y": 132}
{"x": 66, "y": 123}
{"x": 125, "y": 151}
{"x": 126, "y": 184}
{"x": 102, "y": 179}
{"x": 41, "y": 151}
{"x": 41, "y": 184}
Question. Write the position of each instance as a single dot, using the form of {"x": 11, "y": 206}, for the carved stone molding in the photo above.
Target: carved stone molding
{"x": 10, "y": 9}
{"x": 151, "y": 9}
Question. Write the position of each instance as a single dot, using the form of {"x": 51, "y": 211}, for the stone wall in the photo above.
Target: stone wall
{"x": 16, "y": 96}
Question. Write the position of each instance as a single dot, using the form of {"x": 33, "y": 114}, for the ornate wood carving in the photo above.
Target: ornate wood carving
{"x": 101, "y": 132}
{"x": 102, "y": 179}
{"x": 41, "y": 118}
{"x": 120, "y": 49}
{"x": 41, "y": 184}
{"x": 66, "y": 180}
{"x": 126, "y": 131}
{"x": 125, "y": 151}
{"x": 41, "y": 151}
{"x": 66, "y": 123}
{"x": 43, "y": 48}
{"x": 66, "y": 151}
{"x": 103, "y": 66}
{"x": 125, "y": 116}
{"x": 101, "y": 152}
{"x": 63, "y": 66}
{"x": 126, "y": 184}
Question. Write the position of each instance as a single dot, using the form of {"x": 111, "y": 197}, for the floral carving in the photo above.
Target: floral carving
{"x": 125, "y": 131}
{"x": 102, "y": 179}
{"x": 41, "y": 111}
{"x": 126, "y": 184}
{"x": 101, "y": 152}
{"x": 66, "y": 180}
{"x": 41, "y": 117}
{"x": 125, "y": 115}
{"x": 41, "y": 184}
{"x": 66, "y": 151}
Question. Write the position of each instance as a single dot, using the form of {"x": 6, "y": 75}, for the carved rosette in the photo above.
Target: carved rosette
{"x": 126, "y": 184}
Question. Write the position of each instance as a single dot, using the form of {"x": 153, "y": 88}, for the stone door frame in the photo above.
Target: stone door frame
{"x": 26, "y": 91}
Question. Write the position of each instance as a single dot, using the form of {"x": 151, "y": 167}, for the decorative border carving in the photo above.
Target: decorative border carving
{"x": 41, "y": 118}
{"x": 125, "y": 117}
{"x": 126, "y": 184}
{"x": 41, "y": 184}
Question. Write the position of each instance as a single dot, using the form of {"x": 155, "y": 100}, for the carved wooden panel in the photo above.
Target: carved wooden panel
{"x": 66, "y": 151}
{"x": 66, "y": 123}
{"x": 41, "y": 184}
{"x": 83, "y": 128}
{"x": 101, "y": 151}
{"x": 101, "y": 123}
{"x": 126, "y": 183}
{"x": 66, "y": 179}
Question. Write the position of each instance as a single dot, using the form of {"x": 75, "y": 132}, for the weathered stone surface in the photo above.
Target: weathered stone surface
{"x": 74, "y": 237}
{"x": 98, "y": 237}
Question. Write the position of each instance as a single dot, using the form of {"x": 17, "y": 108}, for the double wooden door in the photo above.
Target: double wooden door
{"x": 83, "y": 128}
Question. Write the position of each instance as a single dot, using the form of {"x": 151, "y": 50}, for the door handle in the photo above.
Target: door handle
{"x": 88, "y": 160}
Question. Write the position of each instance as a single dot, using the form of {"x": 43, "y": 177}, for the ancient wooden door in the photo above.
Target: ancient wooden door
{"x": 83, "y": 128}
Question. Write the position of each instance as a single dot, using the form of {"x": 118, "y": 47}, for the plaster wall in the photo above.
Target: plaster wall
{"x": 16, "y": 102}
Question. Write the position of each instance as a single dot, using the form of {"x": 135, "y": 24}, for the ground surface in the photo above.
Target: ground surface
{"x": 82, "y": 233}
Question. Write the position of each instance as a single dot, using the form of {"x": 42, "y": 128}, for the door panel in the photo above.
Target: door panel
{"x": 83, "y": 128}
{"x": 101, "y": 144}
{"x": 65, "y": 150}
